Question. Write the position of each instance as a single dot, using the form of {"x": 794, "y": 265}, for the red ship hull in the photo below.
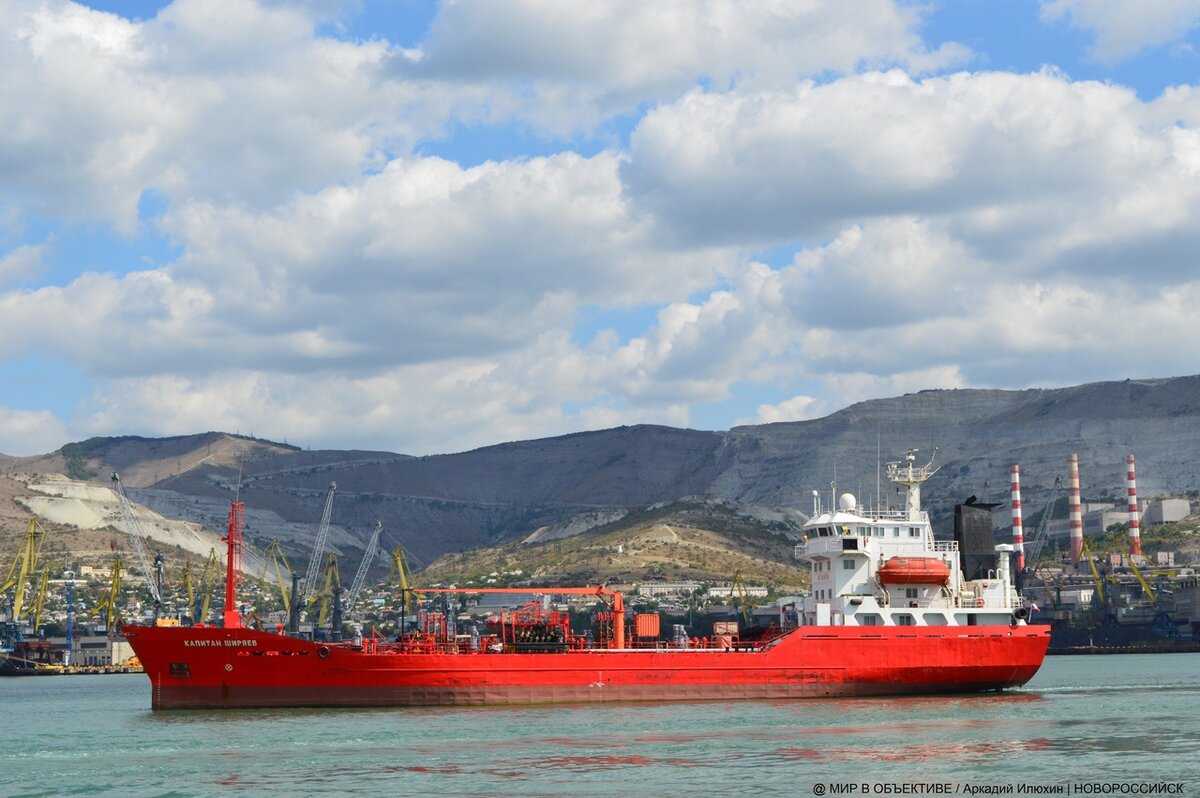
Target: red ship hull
{"x": 208, "y": 667}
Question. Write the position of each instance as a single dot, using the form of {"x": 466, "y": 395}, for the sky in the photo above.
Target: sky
{"x": 425, "y": 227}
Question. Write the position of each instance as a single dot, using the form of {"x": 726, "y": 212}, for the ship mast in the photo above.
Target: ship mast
{"x": 233, "y": 558}
{"x": 911, "y": 476}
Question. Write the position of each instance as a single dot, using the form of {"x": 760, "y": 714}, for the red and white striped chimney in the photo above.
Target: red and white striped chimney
{"x": 1075, "y": 512}
{"x": 1018, "y": 530}
{"x": 1135, "y": 530}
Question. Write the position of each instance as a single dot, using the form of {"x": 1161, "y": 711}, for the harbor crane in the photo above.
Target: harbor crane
{"x": 198, "y": 601}
{"x": 109, "y": 603}
{"x": 314, "y": 562}
{"x": 24, "y": 566}
{"x": 330, "y": 599}
{"x": 1037, "y": 541}
{"x": 134, "y": 529}
{"x": 400, "y": 573}
{"x": 275, "y": 561}
{"x": 360, "y": 576}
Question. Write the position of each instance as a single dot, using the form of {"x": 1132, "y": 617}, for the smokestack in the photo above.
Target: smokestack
{"x": 1135, "y": 530}
{"x": 1074, "y": 509}
{"x": 1018, "y": 529}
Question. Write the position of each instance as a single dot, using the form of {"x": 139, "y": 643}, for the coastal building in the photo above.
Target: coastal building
{"x": 1097, "y": 521}
{"x": 1165, "y": 511}
{"x": 95, "y": 650}
{"x": 656, "y": 589}
{"x": 727, "y": 591}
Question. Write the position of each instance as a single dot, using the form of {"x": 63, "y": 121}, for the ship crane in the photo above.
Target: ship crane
{"x": 134, "y": 530}
{"x": 314, "y": 562}
{"x": 360, "y": 576}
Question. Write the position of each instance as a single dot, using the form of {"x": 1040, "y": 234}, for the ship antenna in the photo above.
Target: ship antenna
{"x": 878, "y": 468}
{"x": 833, "y": 502}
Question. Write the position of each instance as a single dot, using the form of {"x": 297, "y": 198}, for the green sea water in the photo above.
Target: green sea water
{"x": 1086, "y": 725}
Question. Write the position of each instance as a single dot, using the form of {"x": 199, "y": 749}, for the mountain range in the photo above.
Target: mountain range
{"x": 550, "y": 487}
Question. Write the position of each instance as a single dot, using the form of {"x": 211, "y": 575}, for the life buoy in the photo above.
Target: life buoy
{"x": 979, "y": 602}
{"x": 322, "y": 651}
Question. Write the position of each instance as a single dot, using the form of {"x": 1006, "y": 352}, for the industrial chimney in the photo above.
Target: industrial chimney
{"x": 1135, "y": 530}
{"x": 1018, "y": 529}
{"x": 1075, "y": 512}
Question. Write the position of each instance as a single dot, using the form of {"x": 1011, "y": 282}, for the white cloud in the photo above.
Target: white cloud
{"x": 221, "y": 100}
{"x": 566, "y": 64}
{"x": 955, "y": 261}
{"x": 245, "y": 103}
{"x": 28, "y": 432}
{"x": 21, "y": 262}
{"x": 842, "y": 389}
{"x": 1124, "y": 28}
{"x": 331, "y": 288}
{"x": 800, "y": 164}
{"x": 798, "y": 408}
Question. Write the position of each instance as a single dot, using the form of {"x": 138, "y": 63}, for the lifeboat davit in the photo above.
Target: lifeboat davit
{"x": 914, "y": 571}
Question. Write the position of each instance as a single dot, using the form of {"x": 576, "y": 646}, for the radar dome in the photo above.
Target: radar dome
{"x": 847, "y": 502}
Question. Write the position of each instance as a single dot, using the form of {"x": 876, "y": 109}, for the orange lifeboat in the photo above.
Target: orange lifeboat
{"x": 914, "y": 571}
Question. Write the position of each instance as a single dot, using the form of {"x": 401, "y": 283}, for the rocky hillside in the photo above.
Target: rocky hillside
{"x": 701, "y": 539}
{"x": 501, "y": 494}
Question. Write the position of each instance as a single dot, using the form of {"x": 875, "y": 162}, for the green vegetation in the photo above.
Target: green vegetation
{"x": 1156, "y": 537}
{"x": 78, "y": 454}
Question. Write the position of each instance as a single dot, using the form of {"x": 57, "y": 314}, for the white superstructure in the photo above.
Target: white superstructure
{"x": 877, "y": 567}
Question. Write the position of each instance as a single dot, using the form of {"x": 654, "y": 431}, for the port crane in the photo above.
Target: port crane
{"x": 738, "y": 597}
{"x": 400, "y": 574}
{"x": 276, "y": 562}
{"x": 1037, "y": 541}
{"x": 24, "y": 566}
{"x": 1097, "y": 579}
{"x": 134, "y": 529}
{"x": 36, "y": 613}
{"x": 315, "y": 561}
{"x": 330, "y": 597}
{"x": 109, "y": 603}
{"x": 199, "y": 600}
{"x": 360, "y": 576}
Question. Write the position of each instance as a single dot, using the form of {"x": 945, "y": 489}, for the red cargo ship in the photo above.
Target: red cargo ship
{"x": 916, "y": 627}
